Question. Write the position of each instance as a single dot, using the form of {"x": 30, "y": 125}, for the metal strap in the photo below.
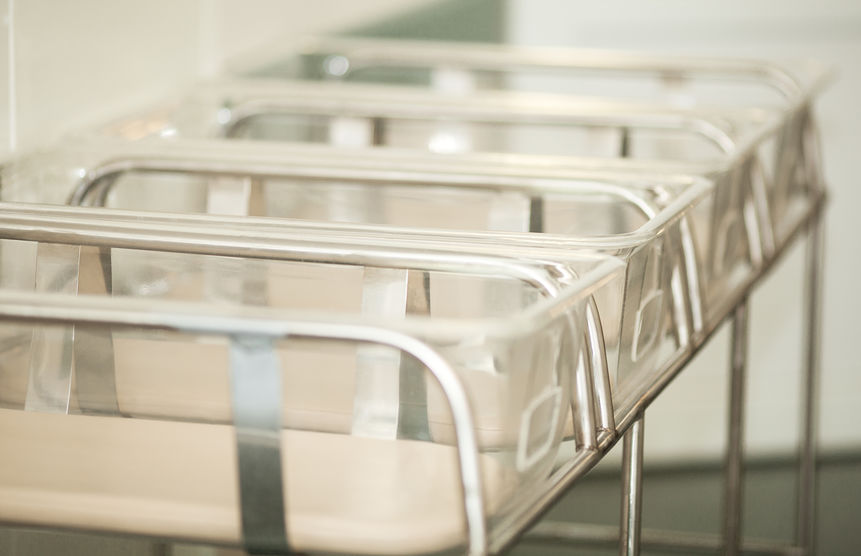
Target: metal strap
{"x": 257, "y": 416}
{"x": 57, "y": 351}
{"x": 378, "y": 368}
{"x": 412, "y": 391}
{"x": 93, "y": 349}
{"x": 51, "y": 359}
{"x": 95, "y": 375}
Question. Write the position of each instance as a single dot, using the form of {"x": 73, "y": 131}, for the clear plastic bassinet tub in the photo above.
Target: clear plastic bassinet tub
{"x": 203, "y": 379}
{"x": 791, "y": 165}
{"x": 669, "y": 230}
{"x": 721, "y": 145}
{"x": 775, "y": 161}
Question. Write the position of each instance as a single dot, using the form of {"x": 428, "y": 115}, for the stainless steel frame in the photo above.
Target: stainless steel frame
{"x": 53, "y": 227}
{"x": 285, "y": 163}
{"x": 253, "y": 331}
{"x": 47, "y": 228}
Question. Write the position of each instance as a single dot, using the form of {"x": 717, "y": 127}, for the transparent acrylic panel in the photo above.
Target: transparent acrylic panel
{"x": 776, "y": 145}
{"x": 680, "y": 267}
{"x": 177, "y": 478}
{"x": 445, "y": 292}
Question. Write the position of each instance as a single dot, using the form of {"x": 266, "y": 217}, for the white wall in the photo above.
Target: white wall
{"x": 689, "y": 419}
{"x": 80, "y": 61}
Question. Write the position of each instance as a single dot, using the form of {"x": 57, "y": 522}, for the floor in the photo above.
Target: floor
{"x": 688, "y": 499}
{"x": 682, "y": 498}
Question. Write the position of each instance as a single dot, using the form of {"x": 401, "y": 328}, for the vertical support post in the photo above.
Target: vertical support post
{"x": 806, "y": 525}
{"x": 733, "y": 478}
{"x": 632, "y": 490}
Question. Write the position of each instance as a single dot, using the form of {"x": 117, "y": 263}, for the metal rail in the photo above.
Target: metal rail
{"x": 733, "y": 472}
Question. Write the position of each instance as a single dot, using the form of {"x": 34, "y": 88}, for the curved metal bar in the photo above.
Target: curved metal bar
{"x": 364, "y": 53}
{"x": 812, "y": 150}
{"x": 187, "y": 239}
{"x": 583, "y": 400}
{"x": 690, "y": 299}
{"x": 597, "y": 357}
{"x": 204, "y": 319}
{"x": 481, "y": 111}
{"x": 764, "y": 230}
{"x": 93, "y": 184}
{"x": 111, "y": 169}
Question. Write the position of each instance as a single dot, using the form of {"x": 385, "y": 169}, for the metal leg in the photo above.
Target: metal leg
{"x": 805, "y": 532}
{"x": 632, "y": 490}
{"x": 734, "y": 484}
